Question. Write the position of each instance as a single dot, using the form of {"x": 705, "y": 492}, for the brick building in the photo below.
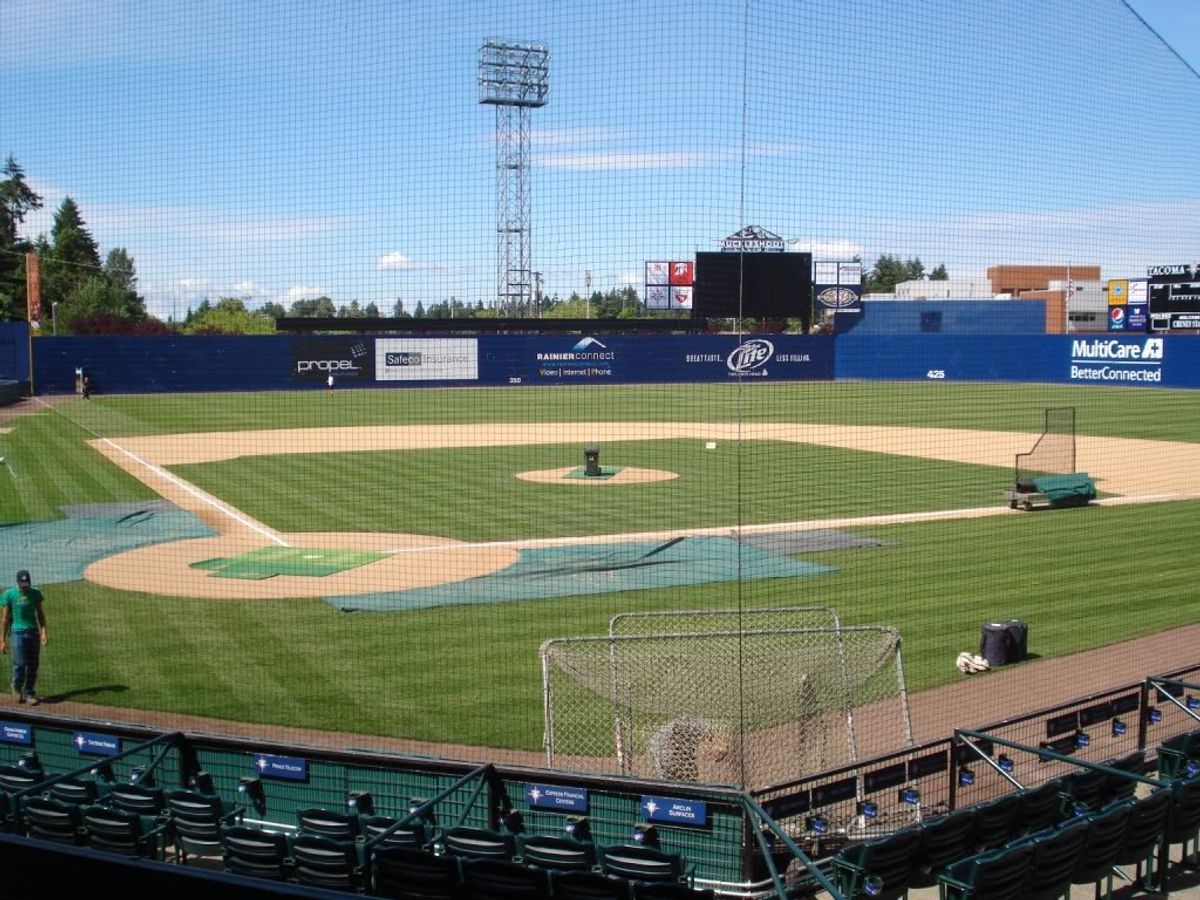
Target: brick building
{"x": 1046, "y": 283}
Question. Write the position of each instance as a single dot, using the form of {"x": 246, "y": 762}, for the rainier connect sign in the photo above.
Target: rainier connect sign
{"x": 753, "y": 239}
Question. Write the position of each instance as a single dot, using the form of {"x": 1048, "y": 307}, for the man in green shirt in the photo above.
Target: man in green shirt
{"x": 23, "y": 619}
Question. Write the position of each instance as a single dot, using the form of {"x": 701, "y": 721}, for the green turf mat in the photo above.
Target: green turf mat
{"x": 267, "y": 562}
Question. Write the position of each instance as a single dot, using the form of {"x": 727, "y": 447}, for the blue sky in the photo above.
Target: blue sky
{"x": 280, "y": 150}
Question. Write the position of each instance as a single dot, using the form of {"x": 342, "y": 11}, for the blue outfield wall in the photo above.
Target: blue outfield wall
{"x": 281, "y": 362}
{"x": 1081, "y": 359}
{"x": 961, "y": 317}
{"x": 284, "y": 362}
{"x": 14, "y": 351}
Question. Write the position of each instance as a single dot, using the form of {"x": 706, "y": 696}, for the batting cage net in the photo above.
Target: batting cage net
{"x": 750, "y": 707}
{"x": 1054, "y": 452}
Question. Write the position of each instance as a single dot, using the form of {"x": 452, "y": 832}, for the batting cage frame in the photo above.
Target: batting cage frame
{"x": 1054, "y": 451}
{"x": 750, "y": 707}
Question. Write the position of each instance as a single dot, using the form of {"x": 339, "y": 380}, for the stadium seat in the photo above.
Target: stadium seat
{"x": 325, "y": 862}
{"x": 1084, "y": 790}
{"x": 499, "y": 879}
{"x": 14, "y": 779}
{"x": 1143, "y": 835}
{"x": 1106, "y": 835}
{"x": 197, "y": 821}
{"x": 996, "y": 875}
{"x": 1056, "y": 853}
{"x": 558, "y": 853}
{"x": 1183, "y": 826}
{"x": 411, "y": 834}
{"x": 403, "y": 873}
{"x": 637, "y": 862}
{"x": 996, "y": 821}
{"x": 342, "y": 826}
{"x": 879, "y": 867}
{"x": 1117, "y": 787}
{"x": 119, "y": 830}
{"x": 1040, "y": 807}
{"x": 944, "y": 840}
{"x": 79, "y": 791}
{"x": 256, "y": 853}
{"x": 137, "y": 798}
{"x": 479, "y": 843}
{"x": 53, "y": 820}
{"x": 1174, "y": 753}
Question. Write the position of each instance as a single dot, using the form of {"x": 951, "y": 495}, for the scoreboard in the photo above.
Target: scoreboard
{"x": 1174, "y": 295}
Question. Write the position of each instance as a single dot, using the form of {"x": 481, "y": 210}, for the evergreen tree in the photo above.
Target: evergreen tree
{"x": 16, "y": 200}
{"x": 73, "y": 258}
{"x": 121, "y": 274}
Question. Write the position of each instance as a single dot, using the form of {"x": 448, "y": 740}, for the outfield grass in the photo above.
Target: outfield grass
{"x": 1115, "y": 411}
{"x": 1081, "y": 578}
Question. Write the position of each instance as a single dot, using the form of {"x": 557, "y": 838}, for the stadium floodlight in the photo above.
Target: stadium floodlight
{"x": 514, "y": 78}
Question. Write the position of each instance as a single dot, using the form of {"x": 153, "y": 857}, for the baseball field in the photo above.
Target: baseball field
{"x": 367, "y": 561}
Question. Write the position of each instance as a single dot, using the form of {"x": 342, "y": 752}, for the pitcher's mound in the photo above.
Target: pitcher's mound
{"x": 624, "y": 475}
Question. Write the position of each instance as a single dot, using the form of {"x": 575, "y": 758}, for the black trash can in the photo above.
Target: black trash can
{"x": 1001, "y": 643}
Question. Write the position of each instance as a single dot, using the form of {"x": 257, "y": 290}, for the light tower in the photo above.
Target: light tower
{"x": 514, "y": 78}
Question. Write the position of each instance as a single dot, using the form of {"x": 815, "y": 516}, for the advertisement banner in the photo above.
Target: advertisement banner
{"x": 33, "y": 289}
{"x": 1113, "y": 360}
{"x": 1118, "y": 292}
{"x": 427, "y": 359}
{"x": 315, "y": 359}
{"x": 658, "y": 272}
{"x": 837, "y": 285}
{"x": 608, "y": 359}
{"x": 681, "y": 298}
{"x": 657, "y": 296}
{"x": 683, "y": 273}
{"x": 1137, "y": 293}
{"x": 669, "y": 284}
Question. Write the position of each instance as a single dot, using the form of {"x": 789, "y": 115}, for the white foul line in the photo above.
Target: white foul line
{"x": 269, "y": 533}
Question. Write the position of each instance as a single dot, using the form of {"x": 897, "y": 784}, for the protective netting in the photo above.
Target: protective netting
{"x": 753, "y": 706}
{"x": 189, "y": 181}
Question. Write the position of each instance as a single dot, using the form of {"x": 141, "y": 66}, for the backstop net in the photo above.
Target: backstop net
{"x": 749, "y": 706}
{"x": 1054, "y": 452}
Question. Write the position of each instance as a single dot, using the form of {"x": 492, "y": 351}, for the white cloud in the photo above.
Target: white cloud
{"x": 397, "y": 261}
{"x": 826, "y": 249}
{"x": 304, "y": 292}
{"x": 393, "y": 261}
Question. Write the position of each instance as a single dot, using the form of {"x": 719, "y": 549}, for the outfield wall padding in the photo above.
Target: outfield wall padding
{"x": 179, "y": 363}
